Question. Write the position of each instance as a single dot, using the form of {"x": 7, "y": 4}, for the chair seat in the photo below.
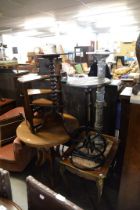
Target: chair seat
{"x": 39, "y": 91}
{"x": 42, "y": 102}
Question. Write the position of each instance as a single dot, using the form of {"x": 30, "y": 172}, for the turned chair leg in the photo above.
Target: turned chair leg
{"x": 100, "y": 184}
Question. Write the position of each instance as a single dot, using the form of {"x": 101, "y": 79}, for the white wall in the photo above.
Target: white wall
{"x": 24, "y": 45}
{"x": 112, "y": 40}
{"x": 68, "y": 42}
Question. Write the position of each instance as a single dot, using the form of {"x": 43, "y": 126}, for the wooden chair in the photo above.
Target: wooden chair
{"x": 5, "y": 184}
{"x": 38, "y": 100}
{"x": 43, "y": 198}
{"x": 98, "y": 175}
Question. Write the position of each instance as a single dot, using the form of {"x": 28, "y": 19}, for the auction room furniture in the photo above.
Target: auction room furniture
{"x": 49, "y": 96}
{"x": 130, "y": 182}
{"x": 14, "y": 155}
{"x": 9, "y": 87}
{"x": 8, "y": 124}
{"x": 81, "y": 55}
{"x": 51, "y": 130}
{"x": 6, "y": 192}
{"x": 6, "y": 104}
{"x": 74, "y": 101}
{"x": 43, "y": 198}
{"x": 28, "y": 102}
{"x": 94, "y": 152}
{"x": 98, "y": 175}
{"x": 5, "y": 184}
{"x": 51, "y": 135}
{"x": 124, "y": 122}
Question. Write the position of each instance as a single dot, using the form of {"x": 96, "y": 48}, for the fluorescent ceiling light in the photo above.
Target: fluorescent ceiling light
{"x": 28, "y": 33}
{"x": 39, "y": 22}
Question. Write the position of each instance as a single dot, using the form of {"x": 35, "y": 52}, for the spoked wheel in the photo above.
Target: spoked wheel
{"x": 89, "y": 152}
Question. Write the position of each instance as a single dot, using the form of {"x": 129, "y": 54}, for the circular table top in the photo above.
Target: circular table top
{"x": 86, "y": 82}
{"x": 45, "y": 138}
{"x": 6, "y": 204}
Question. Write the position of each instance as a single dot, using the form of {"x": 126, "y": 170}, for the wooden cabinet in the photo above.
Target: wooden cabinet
{"x": 75, "y": 103}
{"x": 9, "y": 87}
{"x": 130, "y": 179}
{"x": 81, "y": 56}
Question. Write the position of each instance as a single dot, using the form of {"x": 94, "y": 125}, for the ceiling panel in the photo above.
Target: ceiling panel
{"x": 13, "y": 13}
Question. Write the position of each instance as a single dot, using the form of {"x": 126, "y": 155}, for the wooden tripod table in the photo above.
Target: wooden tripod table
{"x": 53, "y": 134}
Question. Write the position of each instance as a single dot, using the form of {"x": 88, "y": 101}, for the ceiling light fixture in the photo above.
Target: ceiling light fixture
{"x": 39, "y": 22}
{"x": 28, "y": 33}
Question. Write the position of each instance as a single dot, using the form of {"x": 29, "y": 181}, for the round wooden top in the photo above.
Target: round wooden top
{"x": 46, "y": 137}
{"x": 8, "y": 204}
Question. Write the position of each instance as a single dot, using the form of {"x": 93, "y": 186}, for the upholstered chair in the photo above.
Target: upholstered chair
{"x": 5, "y": 184}
{"x": 43, "y": 198}
{"x": 14, "y": 155}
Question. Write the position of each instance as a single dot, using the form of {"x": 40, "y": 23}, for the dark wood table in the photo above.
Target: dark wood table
{"x": 74, "y": 104}
{"x": 8, "y": 205}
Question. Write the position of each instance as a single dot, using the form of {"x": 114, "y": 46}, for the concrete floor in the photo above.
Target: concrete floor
{"x": 80, "y": 191}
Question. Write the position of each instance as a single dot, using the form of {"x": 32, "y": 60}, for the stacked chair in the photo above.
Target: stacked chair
{"x": 43, "y": 98}
{"x": 43, "y": 107}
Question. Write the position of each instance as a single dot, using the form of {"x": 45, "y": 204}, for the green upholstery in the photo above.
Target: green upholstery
{"x": 79, "y": 69}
